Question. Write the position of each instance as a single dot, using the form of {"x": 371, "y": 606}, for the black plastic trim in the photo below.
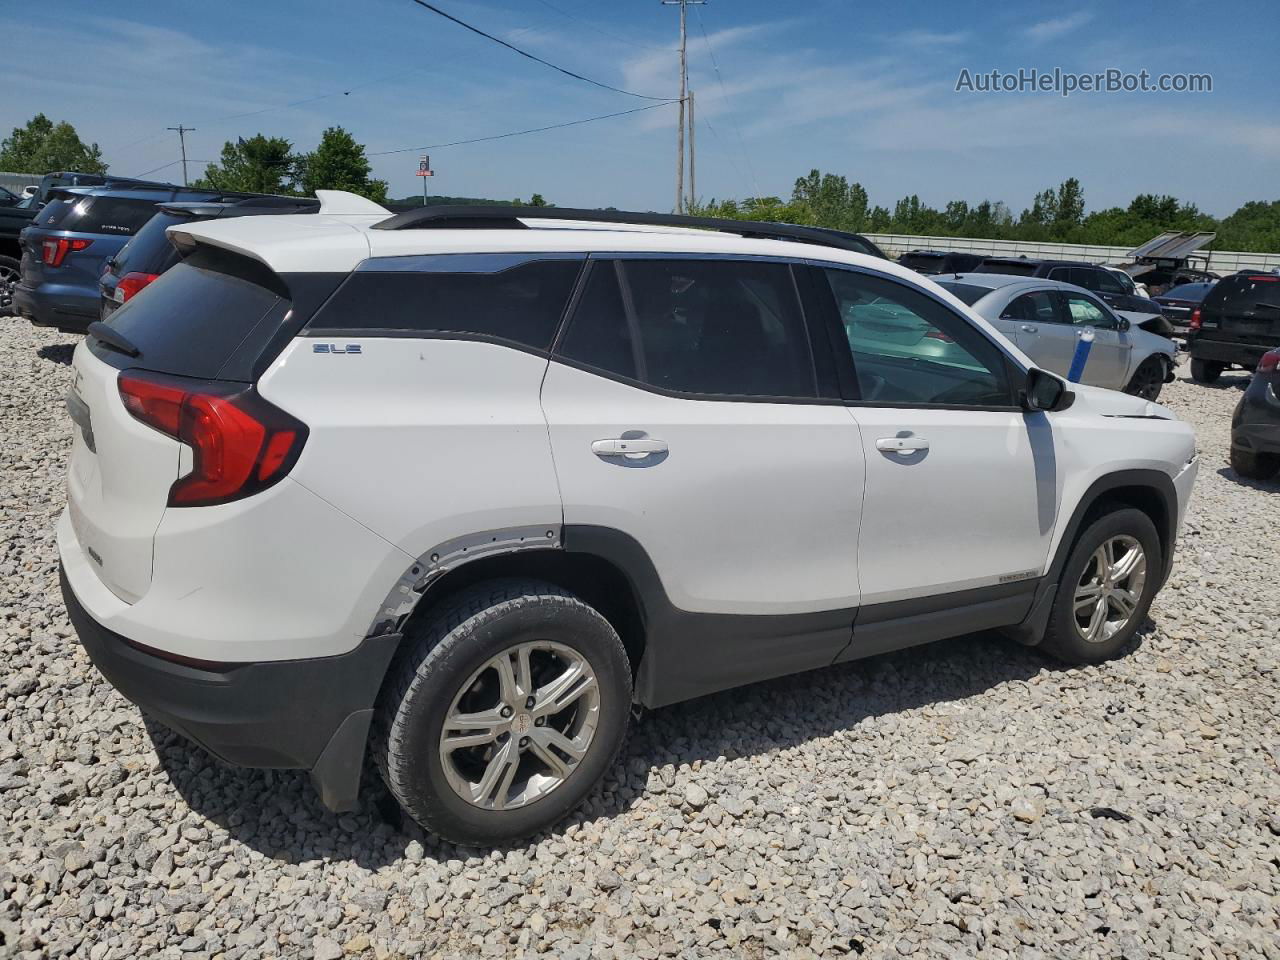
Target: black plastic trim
{"x": 290, "y": 714}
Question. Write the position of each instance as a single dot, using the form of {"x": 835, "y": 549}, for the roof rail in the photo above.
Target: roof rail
{"x": 498, "y": 216}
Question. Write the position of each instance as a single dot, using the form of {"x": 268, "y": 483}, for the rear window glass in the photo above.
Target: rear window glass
{"x": 190, "y": 321}
{"x": 923, "y": 262}
{"x": 521, "y": 303}
{"x": 1188, "y": 291}
{"x": 965, "y": 292}
{"x": 1245, "y": 294}
{"x": 150, "y": 250}
{"x": 1018, "y": 268}
{"x": 119, "y": 216}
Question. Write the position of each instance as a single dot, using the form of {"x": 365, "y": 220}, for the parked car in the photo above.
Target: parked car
{"x": 1255, "y": 424}
{"x": 149, "y": 252}
{"x": 939, "y": 261}
{"x": 1045, "y": 318}
{"x": 1178, "y": 303}
{"x": 69, "y": 241}
{"x": 462, "y": 491}
{"x": 1100, "y": 281}
{"x": 14, "y": 218}
{"x": 1236, "y": 323}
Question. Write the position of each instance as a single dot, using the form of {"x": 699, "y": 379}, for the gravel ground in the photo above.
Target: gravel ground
{"x": 966, "y": 799}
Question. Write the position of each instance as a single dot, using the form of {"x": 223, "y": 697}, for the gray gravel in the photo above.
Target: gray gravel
{"x": 962, "y": 800}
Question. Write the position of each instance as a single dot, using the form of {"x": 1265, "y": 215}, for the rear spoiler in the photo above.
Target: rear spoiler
{"x": 339, "y": 203}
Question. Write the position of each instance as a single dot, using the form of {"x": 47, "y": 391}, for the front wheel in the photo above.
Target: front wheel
{"x": 1206, "y": 371}
{"x": 1106, "y": 587}
{"x": 1148, "y": 379}
{"x": 506, "y": 711}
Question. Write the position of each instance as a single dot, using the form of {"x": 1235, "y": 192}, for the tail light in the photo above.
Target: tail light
{"x": 54, "y": 250}
{"x": 1270, "y": 360}
{"x": 242, "y": 444}
{"x": 1194, "y": 323}
{"x": 131, "y": 283}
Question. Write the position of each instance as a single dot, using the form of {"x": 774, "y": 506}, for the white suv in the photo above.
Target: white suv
{"x": 460, "y": 486}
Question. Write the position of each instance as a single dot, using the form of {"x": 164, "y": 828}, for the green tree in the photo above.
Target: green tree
{"x": 1255, "y": 227}
{"x": 43, "y": 146}
{"x": 829, "y": 200}
{"x": 339, "y": 163}
{"x": 1069, "y": 206}
{"x": 260, "y": 164}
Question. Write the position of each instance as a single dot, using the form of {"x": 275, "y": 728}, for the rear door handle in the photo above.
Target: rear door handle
{"x": 1027, "y": 328}
{"x": 902, "y": 444}
{"x": 633, "y": 449}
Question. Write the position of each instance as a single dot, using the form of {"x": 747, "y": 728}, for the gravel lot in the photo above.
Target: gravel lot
{"x": 966, "y": 799}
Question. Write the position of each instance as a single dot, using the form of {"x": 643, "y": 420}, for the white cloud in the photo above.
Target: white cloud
{"x": 1056, "y": 27}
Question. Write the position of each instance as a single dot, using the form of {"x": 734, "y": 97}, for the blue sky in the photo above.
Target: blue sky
{"x": 866, "y": 90}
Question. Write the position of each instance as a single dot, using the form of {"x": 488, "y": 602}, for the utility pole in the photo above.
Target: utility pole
{"x": 684, "y": 86}
{"x": 693, "y": 183}
{"x": 182, "y": 141}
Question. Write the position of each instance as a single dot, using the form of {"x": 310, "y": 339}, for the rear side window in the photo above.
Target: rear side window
{"x": 150, "y": 250}
{"x": 190, "y": 321}
{"x": 1035, "y": 307}
{"x": 1243, "y": 294}
{"x": 706, "y": 327}
{"x": 119, "y": 216}
{"x": 479, "y": 295}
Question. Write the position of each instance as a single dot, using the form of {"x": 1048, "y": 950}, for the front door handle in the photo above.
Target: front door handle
{"x": 632, "y": 449}
{"x": 907, "y": 445}
{"x": 1027, "y": 328}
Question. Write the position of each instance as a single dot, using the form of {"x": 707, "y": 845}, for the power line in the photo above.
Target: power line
{"x": 521, "y": 133}
{"x": 746, "y": 156}
{"x": 604, "y": 33}
{"x": 537, "y": 59}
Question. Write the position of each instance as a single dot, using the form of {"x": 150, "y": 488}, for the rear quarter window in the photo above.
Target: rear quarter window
{"x": 482, "y": 295}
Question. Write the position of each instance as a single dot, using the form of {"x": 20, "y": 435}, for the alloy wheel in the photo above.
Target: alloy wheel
{"x": 520, "y": 725}
{"x": 1110, "y": 588}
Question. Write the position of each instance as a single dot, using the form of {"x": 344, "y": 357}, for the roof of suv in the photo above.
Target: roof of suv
{"x": 338, "y": 241}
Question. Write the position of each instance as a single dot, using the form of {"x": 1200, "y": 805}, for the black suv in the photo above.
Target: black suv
{"x": 1118, "y": 294}
{"x": 940, "y": 261}
{"x": 1236, "y": 324}
{"x": 149, "y": 253}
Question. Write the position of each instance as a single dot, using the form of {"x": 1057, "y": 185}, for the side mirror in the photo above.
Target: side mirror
{"x": 1045, "y": 393}
{"x": 1124, "y": 324}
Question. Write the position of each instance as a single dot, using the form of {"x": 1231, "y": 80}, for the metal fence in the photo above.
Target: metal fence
{"x": 1219, "y": 261}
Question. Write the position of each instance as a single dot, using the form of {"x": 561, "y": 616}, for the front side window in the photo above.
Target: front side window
{"x": 1085, "y": 312}
{"x": 911, "y": 350}
{"x": 706, "y": 327}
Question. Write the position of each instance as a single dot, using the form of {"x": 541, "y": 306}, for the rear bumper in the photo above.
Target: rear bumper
{"x": 71, "y": 310}
{"x": 1255, "y": 426}
{"x": 293, "y": 714}
{"x": 1225, "y": 351}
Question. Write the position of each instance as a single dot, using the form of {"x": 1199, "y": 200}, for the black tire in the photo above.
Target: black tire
{"x": 1148, "y": 379}
{"x": 1254, "y": 465}
{"x": 445, "y": 650}
{"x": 10, "y": 270}
{"x": 1063, "y": 639}
{"x": 1206, "y": 371}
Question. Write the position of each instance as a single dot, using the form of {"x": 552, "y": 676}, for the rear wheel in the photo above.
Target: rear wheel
{"x": 1254, "y": 465}
{"x": 10, "y": 271}
{"x": 1106, "y": 587}
{"x": 507, "y": 710}
{"x": 1206, "y": 371}
{"x": 1148, "y": 379}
